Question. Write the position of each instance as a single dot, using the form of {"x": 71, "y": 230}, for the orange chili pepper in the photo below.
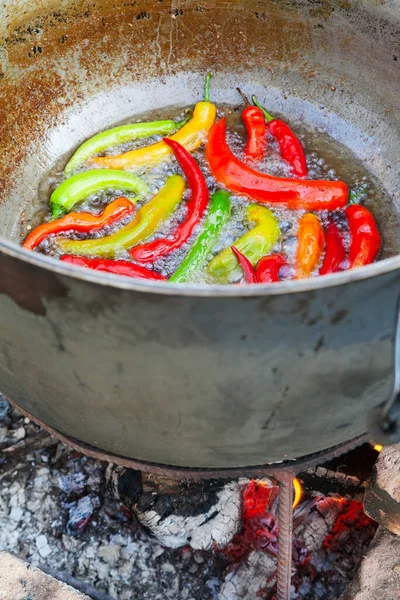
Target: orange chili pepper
{"x": 81, "y": 221}
{"x": 311, "y": 245}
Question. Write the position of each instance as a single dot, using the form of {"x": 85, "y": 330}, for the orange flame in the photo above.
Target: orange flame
{"x": 378, "y": 447}
{"x": 298, "y": 492}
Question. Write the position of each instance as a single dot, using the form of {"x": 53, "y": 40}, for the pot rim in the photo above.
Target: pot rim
{"x": 48, "y": 263}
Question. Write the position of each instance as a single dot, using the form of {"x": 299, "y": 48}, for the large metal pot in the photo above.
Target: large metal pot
{"x": 199, "y": 377}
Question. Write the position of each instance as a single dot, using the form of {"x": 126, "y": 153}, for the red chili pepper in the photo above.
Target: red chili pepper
{"x": 256, "y": 128}
{"x": 334, "y": 250}
{"x": 237, "y": 177}
{"x": 289, "y": 144}
{"x": 196, "y": 206}
{"x": 248, "y": 269}
{"x": 81, "y": 221}
{"x": 268, "y": 268}
{"x": 365, "y": 238}
{"x": 118, "y": 267}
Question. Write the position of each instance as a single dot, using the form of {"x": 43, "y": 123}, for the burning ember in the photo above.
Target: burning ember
{"x": 322, "y": 526}
{"x": 260, "y": 526}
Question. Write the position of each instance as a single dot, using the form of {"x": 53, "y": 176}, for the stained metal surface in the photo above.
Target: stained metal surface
{"x": 384, "y": 421}
{"x": 204, "y": 378}
{"x": 273, "y": 470}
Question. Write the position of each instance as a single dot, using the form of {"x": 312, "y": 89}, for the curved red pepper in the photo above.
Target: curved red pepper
{"x": 334, "y": 250}
{"x": 196, "y": 206}
{"x": 248, "y": 269}
{"x": 256, "y": 129}
{"x": 268, "y": 268}
{"x": 289, "y": 144}
{"x": 365, "y": 238}
{"x": 118, "y": 267}
{"x": 81, "y": 221}
{"x": 237, "y": 177}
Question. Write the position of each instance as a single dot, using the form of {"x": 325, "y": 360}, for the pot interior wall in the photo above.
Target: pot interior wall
{"x": 70, "y": 69}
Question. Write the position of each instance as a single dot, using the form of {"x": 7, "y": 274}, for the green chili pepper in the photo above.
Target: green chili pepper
{"x": 120, "y": 135}
{"x": 218, "y": 215}
{"x": 357, "y": 195}
{"x": 80, "y": 186}
{"x": 144, "y": 224}
{"x": 254, "y": 245}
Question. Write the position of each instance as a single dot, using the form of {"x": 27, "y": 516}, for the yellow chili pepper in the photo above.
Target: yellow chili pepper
{"x": 254, "y": 245}
{"x": 311, "y": 245}
{"x": 190, "y": 136}
{"x": 144, "y": 224}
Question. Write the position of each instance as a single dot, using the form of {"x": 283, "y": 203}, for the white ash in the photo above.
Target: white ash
{"x": 43, "y": 546}
{"x": 110, "y": 553}
{"x": 249, "y": 579}
{"x": 213, "y": 528}
{"x": 312, "y": 531}
{"x": 17, "y": 434}
{"x": 38, "y": 497}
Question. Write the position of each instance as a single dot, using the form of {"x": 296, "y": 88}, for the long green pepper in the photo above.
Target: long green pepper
{"x": 120, "y": 135}
{"x": 218, "y": 215}
{"x": 81, "y": 186}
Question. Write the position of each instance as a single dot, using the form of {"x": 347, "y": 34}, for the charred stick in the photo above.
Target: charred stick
{"x": 37, "y": 441}
{"x": 325, "y": 482}
{"x": 77, "y": 584}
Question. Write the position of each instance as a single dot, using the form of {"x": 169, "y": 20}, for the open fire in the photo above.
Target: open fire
{"x": 330, "y": 535}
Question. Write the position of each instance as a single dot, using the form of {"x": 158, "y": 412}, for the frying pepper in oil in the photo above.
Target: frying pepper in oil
{"x": 254, "y": 245}
{"x": 120, "y": 135}
{"x": 289, "y": 144}
{"x": 311, "y": 241}
{"x": 118, "y": 267}
{"x": 145, "y": 223}
{"x": 81, "y": 186}
{"x": 81, "y": 221}
{"x": 218, "y": 214}
{"x": 238, "y": 177}
{"x": 191, "y": 136}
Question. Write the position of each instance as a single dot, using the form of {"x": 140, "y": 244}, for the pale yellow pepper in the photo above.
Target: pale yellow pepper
{"x": 254, "y": 245}
{"x": 190, "y": 136}
{"x": 144, "y": 224}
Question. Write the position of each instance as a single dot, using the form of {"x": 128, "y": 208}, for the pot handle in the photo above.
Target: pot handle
{"x": 384, "y": 421}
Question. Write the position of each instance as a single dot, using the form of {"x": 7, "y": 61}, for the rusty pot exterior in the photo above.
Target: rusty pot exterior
{"x": 196, "y": 381}
{"x": 194, "y": 377}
